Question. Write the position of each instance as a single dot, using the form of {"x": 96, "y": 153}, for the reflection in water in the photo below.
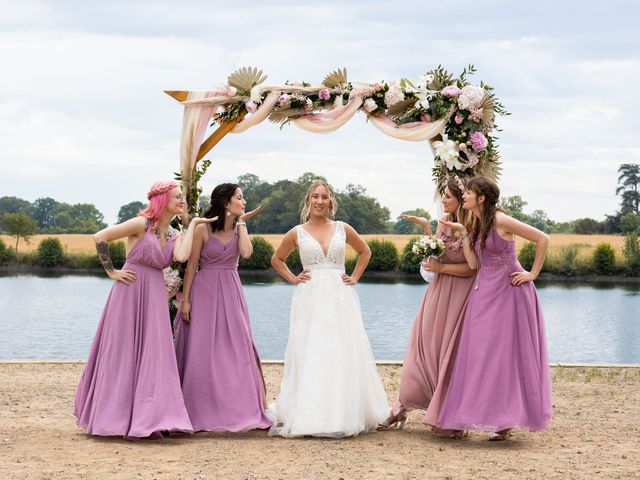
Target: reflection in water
{"x": 55, "y": 316}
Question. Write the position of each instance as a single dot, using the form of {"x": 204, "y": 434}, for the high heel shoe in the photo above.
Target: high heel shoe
{"x": 395, "y": 421}
{"x": 501, "y": 435}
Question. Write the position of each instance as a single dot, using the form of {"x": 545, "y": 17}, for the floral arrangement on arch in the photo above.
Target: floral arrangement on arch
{"x": 465, "y": 146}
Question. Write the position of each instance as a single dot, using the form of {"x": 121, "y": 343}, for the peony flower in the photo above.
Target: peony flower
{"x": 370, "y": 105}
{"x": 476, "y": 115}
{"x": 478, "y": 141}
{"x": 393, "y": 96}
{"x": 425, "y": 117}
{"x": 324, "y": 94}
{"x": 231, "y": 91}
{"x": 447, "y": 151}
{"x": 471, "y": 97}
{"x": 284, "y": 100}
{"x": 451, "y": 91}
{"x": 251, "y": 107}
{"x": 458, "y": 119}
{"x": 255, "y": 96}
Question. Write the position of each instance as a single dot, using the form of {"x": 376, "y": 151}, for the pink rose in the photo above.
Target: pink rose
{"x": 284, "y": 100}
{"x": 451, "y": 91}
{"x": 251, "y": 107}
{"x": 377, "y": 87}
{"x": 425, "y": 117}
{"x": 458, "y": 119}
{"x": 370, "y": 105}
{"x": 324, "y": 94}
{"x": 478, "y": 141}
{"x": 462, "y": 147}
{"x": 231, "y": 91}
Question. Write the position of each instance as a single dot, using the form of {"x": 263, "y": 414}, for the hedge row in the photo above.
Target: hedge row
{"x": 385, "y": 258}
{"x": 603, "y": 260}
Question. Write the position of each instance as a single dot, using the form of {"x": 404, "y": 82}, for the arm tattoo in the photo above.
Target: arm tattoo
{"x": 103, "y": 254}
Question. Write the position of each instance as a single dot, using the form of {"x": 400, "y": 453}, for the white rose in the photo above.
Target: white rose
{"x": 255, "y": 95}
{"x": 370, "y": 105}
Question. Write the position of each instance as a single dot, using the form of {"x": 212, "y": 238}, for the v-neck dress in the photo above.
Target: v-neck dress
{"x": 130, "y": 385}
{"x": 331, "y": 386}
{"x": 217, "y": 358}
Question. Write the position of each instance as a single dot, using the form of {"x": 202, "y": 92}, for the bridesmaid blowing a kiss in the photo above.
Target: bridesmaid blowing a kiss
{"x": 217, "y": 359}
{"x": 130, "y": 386}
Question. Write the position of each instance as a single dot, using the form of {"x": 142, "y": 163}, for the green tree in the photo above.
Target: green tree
{"x": 405, "y": 227}
{"x": 630, "y": 222}
{"x": 19, "y": 225}
{"x": 130, "y": 210}
{"x": 629, "y": 187}
{"x": 514, "y": 207}
{"x": 362, "y": 212}
{"x": 43, "y": 211}
{"x": 631, "y": 253}
{"x": 587, "y": 226}
{"x": 14, "y": 205}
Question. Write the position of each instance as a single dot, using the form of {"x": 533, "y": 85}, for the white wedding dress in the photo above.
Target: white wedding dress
{"x": 331, "y": 387}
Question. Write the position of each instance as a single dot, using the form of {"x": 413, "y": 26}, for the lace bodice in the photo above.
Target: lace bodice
{"x": 311, "y": 253}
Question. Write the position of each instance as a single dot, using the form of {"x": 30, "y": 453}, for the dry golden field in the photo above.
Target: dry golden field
{"x": 81, "y": 243}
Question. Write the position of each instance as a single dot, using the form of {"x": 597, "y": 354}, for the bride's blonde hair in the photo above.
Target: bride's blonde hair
{"x": 305, "y": 211}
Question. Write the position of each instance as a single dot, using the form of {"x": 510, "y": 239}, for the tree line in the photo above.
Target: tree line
{"x": 281, "y": 201}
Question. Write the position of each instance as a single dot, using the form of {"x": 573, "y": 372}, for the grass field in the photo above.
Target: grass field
{"x": 81, "y": 243}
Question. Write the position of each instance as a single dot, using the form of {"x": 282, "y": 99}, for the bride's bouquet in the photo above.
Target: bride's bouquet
{"x": 428, "y": 246}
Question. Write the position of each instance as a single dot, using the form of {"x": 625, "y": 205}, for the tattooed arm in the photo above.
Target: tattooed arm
{"x": 133, "y": 229}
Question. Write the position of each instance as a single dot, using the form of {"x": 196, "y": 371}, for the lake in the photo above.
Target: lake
{"x": 55, "y": 317}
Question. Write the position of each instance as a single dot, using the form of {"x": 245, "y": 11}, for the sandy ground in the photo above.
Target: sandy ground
{"x": 595, "y": 434}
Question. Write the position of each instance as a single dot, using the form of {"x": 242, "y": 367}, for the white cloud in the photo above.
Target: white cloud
{"x": 83, "y": 116}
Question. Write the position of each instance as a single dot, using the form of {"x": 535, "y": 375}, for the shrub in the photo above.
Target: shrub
{"x": 350, "y": 264}
{"x": 409, "y": 261}
{"x": 604, "y": 259}
{"x": 384, "y": 255}
{"x": 293, "y": 261}
{"x": 527, "y": 255}
{"x": 85, "y": 261}
{"x": 261, "y": 258}
{"x": 566, "y": 262}
{"x": 117, "y": 253}
{"x": 631, "y": 253}
{"x": 5, "y": 253}
{"x": 50, "y": 252}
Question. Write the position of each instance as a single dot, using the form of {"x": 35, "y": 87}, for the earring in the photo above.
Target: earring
{"x": 228, "y": 213}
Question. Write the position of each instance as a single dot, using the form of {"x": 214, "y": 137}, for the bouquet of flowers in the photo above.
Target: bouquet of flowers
{"x": 173, "y": 283}
{"x": 428, "y": 246}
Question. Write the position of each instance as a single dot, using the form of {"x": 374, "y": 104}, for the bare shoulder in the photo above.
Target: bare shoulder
{"x": 136, "y": 225}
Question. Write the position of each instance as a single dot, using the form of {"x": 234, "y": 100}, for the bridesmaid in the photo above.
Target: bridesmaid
{"x": 501, "y": 378}
{"x": 429, "y": 359}
{"x": 130, "y": 386}
{"x": 218, "y": 362}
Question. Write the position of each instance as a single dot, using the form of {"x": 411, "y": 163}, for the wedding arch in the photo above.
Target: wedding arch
{"x": 456, "y": 117}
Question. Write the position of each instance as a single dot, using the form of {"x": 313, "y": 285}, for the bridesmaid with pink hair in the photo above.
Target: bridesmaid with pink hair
{"x": 430, "y": 355}
{"x": 130, "y": 385}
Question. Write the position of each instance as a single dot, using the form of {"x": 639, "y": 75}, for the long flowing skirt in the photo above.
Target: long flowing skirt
{"x": 331, "y": 386}
{"x": 130, "y": 385}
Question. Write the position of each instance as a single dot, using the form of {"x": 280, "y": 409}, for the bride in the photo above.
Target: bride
{"x": 331, "y": 387}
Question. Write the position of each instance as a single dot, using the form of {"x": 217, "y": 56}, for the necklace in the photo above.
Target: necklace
{"x": 164, "y": 236}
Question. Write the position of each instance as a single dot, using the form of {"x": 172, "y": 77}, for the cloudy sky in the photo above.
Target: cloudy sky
{"x": 83, "y": 117}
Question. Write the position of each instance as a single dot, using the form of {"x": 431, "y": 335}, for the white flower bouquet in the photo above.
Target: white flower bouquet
{"x": 428, "y": 246}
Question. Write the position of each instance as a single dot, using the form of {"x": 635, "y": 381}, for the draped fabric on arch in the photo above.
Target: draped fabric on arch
{"x": 200, "y": 107}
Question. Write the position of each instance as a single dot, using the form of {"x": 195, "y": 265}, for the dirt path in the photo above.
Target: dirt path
{"x": 595, "y": 434}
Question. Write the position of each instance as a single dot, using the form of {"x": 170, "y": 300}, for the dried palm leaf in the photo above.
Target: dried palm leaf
{"x": 488, "y": 115}
{"x": 245, "y": 78}
{"x": 398, "y": 109}
{"x": 279, "y": 117}
{"x": 335, "y": 78}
